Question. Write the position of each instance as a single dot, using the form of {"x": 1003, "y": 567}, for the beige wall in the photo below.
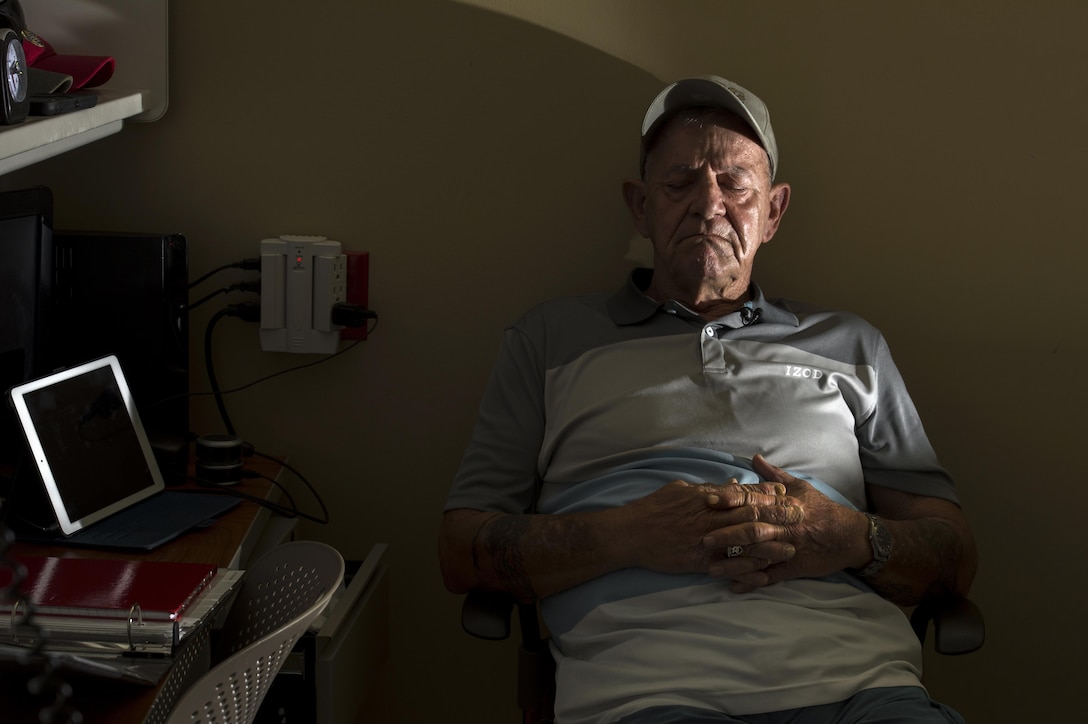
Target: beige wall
{"x": 935, "y": 150}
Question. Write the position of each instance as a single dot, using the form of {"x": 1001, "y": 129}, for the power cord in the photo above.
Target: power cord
{"x": 290, "y": 511}
{"x": 348, "y": 315}
{"x": 248, "y": 311}
{"x": 247, "y": 264}
{"x": 351, "y": 315}
{"x": 246, "y": 286}
{"x": 251, "y": 312}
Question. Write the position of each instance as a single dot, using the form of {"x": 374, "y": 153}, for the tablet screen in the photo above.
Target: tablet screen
{"x": 85, "y": 437}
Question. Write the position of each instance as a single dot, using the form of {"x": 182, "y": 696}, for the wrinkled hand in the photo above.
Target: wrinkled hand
{"x": 684, "y": 528}
{"x": 829, "y": 538}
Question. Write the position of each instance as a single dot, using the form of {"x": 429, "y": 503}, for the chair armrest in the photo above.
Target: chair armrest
{"x": 487, "y": 615}
{"x": 958, "y": 625}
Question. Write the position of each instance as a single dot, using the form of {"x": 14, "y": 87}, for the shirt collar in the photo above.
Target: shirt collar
{"x": 630, "y": 305}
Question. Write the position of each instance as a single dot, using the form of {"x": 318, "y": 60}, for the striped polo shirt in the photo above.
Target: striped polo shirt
{"x": 598, "y": 400}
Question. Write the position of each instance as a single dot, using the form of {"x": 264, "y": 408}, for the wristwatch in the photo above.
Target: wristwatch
{"x": 880, "y": 538}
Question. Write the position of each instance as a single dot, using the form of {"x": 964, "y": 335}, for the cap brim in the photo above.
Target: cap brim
{"x": 46, "y": 81}
{"x": 87, "y": 71}
{"x": 688, "y": 93}
{"x": 710, "y": 92}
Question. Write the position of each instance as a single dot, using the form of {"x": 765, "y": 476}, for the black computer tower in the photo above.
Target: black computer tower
{"x": 127, "y": 294}
{"x": 26, "y": 247}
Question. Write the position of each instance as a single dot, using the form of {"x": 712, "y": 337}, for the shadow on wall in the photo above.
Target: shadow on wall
{"x": 477, "y": 158}
{"x": 440, "y": 136}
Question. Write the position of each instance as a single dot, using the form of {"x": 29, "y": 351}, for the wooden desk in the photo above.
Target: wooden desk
{"x": 231, "y": 542}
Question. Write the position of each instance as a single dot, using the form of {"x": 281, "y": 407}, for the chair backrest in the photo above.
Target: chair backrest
{"x": 281, "y": 595}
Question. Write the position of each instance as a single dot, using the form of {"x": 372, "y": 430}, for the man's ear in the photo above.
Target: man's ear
{"x": 779, "y": 200}
{"x": 634, "y": 195}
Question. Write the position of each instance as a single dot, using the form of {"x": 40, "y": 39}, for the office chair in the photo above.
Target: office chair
{"x": 958, "y": 626}
{"x": 282, "y": 593}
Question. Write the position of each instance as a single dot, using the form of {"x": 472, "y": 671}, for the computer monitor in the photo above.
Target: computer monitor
{"x": 26, "y": 251}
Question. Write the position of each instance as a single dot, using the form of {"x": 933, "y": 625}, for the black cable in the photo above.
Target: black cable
{"x": 295, "y": 368}
{"x": 248, "y": 311}
{"x": 217, "y": 292}
{"x": 249, "y": 264}
{"x": 300, "y": 476}
{"x": 276, "y": 508}
{"x": 288, "y": 512}
{"x": 274, "y": 374}
{"x": 247, "y": 286}
{"x": 233, "y": 310}
{"x": 210, "y": 366}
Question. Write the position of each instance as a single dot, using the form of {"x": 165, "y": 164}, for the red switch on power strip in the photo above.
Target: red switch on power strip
{"x": 358, "y": 276}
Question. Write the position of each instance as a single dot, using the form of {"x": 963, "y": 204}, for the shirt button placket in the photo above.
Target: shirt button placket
{"x": 713, "y": 354}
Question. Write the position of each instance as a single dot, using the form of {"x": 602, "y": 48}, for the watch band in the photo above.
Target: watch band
{"x": 880, "y": 539}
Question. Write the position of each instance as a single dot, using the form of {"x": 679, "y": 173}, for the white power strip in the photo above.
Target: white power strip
{"x": 302, "y": 277}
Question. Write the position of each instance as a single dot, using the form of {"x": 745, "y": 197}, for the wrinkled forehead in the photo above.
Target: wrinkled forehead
{"x": 702, "y": 121}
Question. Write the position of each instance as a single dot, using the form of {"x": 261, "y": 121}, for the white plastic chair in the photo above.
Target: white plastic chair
{"x": 281, "y": 595}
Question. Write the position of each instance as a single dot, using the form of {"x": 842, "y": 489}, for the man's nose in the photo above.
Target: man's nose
{"x": 708, "y": 200}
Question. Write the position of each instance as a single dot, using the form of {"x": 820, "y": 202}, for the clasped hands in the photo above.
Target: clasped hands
{"x": 753, "y": 535}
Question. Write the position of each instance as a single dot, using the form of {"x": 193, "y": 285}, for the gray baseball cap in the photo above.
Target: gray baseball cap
{"x": 709, "y": 91}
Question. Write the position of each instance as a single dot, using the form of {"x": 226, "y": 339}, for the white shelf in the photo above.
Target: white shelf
{"x": 135, "y": 34}
{"x": 39, "y": 138}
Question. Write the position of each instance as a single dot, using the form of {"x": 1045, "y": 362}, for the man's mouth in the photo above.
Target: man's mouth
{"x": 707, "y": 237}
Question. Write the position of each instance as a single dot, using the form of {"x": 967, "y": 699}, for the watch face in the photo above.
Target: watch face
{"x": 882, "y": 540}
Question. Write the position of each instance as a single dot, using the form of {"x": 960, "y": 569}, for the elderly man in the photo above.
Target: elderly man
{"x": 621, "y": 468}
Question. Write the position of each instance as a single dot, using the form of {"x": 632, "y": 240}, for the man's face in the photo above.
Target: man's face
{"x": 706, "y": 204}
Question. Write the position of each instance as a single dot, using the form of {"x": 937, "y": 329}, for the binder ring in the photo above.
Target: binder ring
{"x": 137, "y": 614}
{"x": 14, "y": 620}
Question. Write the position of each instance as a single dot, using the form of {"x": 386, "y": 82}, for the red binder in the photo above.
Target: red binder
{"x": 99, "y": 588}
